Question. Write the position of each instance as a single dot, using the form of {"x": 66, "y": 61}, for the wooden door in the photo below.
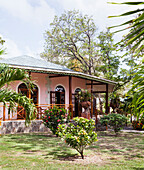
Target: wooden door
{"x": 76, "y": 105}
{"x": 57, "y": 97}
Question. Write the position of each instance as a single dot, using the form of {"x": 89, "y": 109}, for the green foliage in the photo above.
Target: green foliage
{"x": 135, "y": 36}
{"x": 108, "y": 56}
{"x": 78, "y": 134}
{"x": 8, "y": 75}
{"x": 137, "y": 91}
{"x": 116, "y": 121}
{"x": 54, "y": 117}
{"x": 84, "y": 95}
{"x": 71, "y": 41}
{"x": 1, "y": 44}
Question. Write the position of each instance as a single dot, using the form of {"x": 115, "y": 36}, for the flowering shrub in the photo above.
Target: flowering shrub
{"x": 138, "y": 125}
{"x": 78, "y": 135}
{"x": 84, "y": 95}
{"x": 53, "y": 117}
{"x": 115, "y": 120}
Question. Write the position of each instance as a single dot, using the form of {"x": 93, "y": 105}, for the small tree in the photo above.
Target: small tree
{"x": 117, "y": 121}
{"x": 78, "y": 135}
{"x": 54, "y": 117}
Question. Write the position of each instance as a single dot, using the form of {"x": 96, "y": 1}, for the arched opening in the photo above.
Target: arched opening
{"x": 22, "y": 88}
{"x": 60, "y": 95}
{"x": 76, "y": 102}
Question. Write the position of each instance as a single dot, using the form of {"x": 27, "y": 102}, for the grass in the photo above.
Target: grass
{"x": 42, "y": 151}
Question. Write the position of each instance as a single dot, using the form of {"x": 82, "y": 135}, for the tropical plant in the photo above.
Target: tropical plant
{"x": 78, "y": 134}
{"x": 137, "y": 91}
{"x": 136, "y": 25}
{"x": 53, "y": 117}
{"x": 8, "y": 75}
{"x": 84, "y": 95}
{"x": 115, "y": 120}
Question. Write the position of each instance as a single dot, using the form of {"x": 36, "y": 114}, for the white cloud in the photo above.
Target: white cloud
{"x": 99, "y": 9}
{"x": 23, "y": 10}
{"x": 11, "y": 49}
{"x": 34, "y": 53}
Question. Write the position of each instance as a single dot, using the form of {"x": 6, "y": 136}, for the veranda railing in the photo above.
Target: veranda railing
{"x": 18, "y": 113}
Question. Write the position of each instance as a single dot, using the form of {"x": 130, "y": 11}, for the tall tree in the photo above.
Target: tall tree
{"x": 71, "y": 41}
{"x": 110, "y": 60}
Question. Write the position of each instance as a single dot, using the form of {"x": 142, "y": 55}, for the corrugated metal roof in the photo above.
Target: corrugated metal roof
{"x": 42, "y": 66}
{"x": 29, "y": 61}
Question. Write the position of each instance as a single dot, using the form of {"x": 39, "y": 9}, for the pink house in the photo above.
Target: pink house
{"x": 54, "y": 85}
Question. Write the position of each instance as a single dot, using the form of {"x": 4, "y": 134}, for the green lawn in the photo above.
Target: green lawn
{"x": 42, "y": 151}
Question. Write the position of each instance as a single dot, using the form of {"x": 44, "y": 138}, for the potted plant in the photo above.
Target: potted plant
{"x": 85, "y": 96}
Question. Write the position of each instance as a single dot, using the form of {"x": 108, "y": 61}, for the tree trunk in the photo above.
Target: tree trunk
{"x": 82, "y": 156}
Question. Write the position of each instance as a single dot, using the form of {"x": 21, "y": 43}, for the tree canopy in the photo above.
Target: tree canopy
{"x": 72, "y": 42}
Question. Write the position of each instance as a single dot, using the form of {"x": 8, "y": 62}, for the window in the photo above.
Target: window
{"x": 24, "y": 90}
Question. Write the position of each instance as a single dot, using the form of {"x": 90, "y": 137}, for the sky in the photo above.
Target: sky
{"x": 24, "y": 22}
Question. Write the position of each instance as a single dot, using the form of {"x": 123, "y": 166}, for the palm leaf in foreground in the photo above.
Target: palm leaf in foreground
{"x": 138, "y": 93}
{"x": 8, "y": 75}
{"x": 136, "y": 26}
{"x": 16, "y": 98}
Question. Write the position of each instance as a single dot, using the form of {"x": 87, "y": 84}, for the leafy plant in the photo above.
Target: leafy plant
{"x": 78, "y": 134}
{"x": 84, "y": 95}
{"x": 137, "y": 91}
{"x": 8, "y": 75}
{"x": 136, "y": 26}
{"x": 54, "y": 117}
{"x": 116, "y": 121}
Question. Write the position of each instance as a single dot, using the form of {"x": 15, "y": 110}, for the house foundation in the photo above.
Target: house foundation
{"x": 18, "y": 126}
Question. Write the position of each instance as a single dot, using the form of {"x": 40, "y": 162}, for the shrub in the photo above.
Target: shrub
{"x": 138, "y": 125}
{"x": 78, "y": 135}
{"x": 53, "y": 117}
{"x": 116, "y": 121}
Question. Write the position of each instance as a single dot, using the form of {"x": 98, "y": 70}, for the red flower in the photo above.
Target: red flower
{"x": 65, "y": 114}
{"x": 46, "y": 120}
{"x": 58, "y": 120}
{"x": 49, "y": 117}
{"x": 60, "y": 110}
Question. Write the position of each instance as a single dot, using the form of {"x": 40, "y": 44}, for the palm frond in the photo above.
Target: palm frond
{"x": 16, "y": 98}
{"x": 8, "y": 75}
